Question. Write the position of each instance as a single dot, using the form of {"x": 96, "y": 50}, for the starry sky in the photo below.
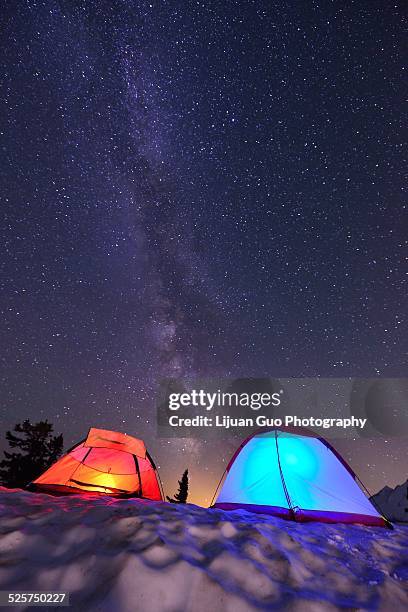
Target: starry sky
{"x": 196, "y": 189}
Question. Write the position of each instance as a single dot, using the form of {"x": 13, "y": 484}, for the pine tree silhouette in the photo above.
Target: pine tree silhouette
{"x": 38, "y": 449}
{"x": 182, "y": 493}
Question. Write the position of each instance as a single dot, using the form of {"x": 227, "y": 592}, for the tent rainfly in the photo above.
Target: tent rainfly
{"x": 106, "y": 462}
{"x": 292, "y": 473}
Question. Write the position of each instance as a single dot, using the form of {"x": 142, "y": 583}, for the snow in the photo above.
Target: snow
{"x": 130, "y": 555}
{"x": 393, "y": 502}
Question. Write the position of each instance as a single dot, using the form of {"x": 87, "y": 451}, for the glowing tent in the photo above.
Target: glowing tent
{"x": 105, "y": 462}
{"x": 294, "y": 474}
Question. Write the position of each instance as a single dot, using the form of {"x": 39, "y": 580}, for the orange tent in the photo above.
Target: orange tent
{"x": 106, "y": 462}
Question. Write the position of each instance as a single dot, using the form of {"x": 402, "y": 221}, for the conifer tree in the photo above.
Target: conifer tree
{"x": 37, "y": 450}
{"x": 182, "y": 493}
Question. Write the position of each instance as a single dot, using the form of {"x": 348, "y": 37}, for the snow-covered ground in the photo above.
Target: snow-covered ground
{"x": 129, "y": 555}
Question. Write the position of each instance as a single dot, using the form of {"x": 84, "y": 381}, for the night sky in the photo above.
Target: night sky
{"x": 199, "y": 189}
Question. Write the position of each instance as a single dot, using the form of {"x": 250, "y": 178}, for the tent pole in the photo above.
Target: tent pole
{"x": 216, "y": 490}
{"x": 79, "y": 464}
{"x": 156, "y": 471}
{"x": 138, "y": 474}
{"x": 377, "y": 507}
{"x": 291, "y": 510}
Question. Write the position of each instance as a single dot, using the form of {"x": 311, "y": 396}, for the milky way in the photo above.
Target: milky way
{"x": 198, "y": 189}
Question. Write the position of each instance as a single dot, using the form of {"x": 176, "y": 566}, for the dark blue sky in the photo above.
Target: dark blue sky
{"x": 198, "y": 188}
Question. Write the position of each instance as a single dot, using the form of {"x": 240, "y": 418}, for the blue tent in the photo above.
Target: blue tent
{"x": 294, "y": 474}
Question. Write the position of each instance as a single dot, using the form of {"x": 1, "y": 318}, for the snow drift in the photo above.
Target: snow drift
{"x": 130, "y": 555}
